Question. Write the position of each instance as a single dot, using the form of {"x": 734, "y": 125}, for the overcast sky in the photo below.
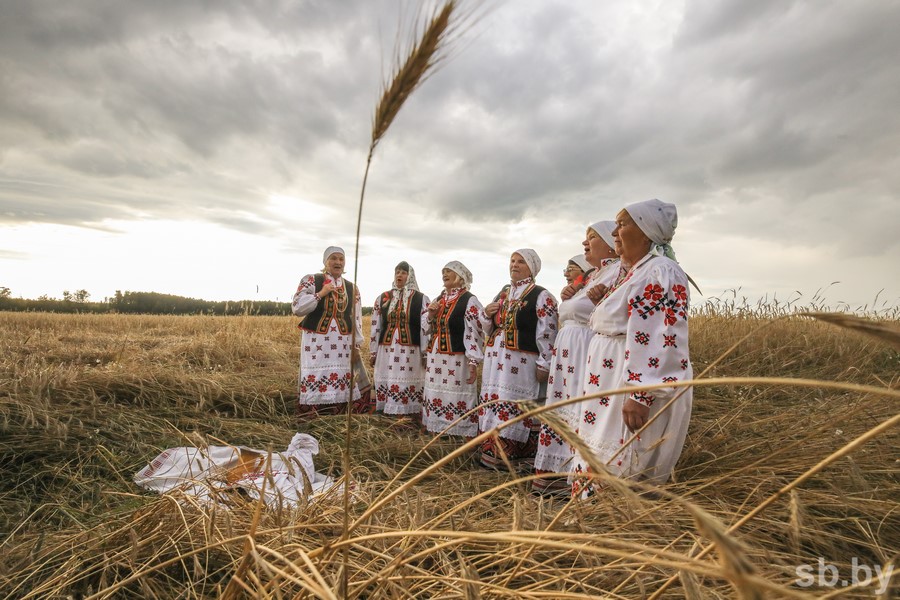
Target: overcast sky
{"x": 214, "y": 149}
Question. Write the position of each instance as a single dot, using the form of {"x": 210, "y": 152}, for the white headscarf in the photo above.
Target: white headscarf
{"x": 531, "y": 259}
{"x": 658, "y": 220}
{"x": 582, "y": 262}
{"x": 332, "y": 250}
{"x": 461, "y": 270}
{"x": 407, "y": 290}
{"x": 604, "y": 229}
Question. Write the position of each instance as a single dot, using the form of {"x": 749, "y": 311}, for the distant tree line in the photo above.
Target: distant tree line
{"x": 144, "y": 303}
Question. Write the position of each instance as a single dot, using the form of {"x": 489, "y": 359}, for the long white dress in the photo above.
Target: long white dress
{"x": 567, "y": 369}
{"x": 510, "y": 374}
{"x": 642, "y": 338}
{"x": 399, "y": 374}
{"x": 447, "y": 395}
{"x": 325, "y": 357}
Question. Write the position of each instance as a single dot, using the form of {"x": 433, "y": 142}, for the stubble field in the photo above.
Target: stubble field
{"x": 770, "y": 478}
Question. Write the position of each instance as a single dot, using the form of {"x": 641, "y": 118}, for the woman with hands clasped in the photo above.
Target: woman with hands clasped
{"x": 454, "y": 353}
{"x": 520, "y": 326}
{"x": 397, "y": 345}
{"x": 554, "y": 454}
{"x": 642, "y": 338}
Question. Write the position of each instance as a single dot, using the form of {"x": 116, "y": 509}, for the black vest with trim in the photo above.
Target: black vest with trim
{"x": 518, "y": 321}
{"x": 327, "y": 309}
{"x": 448, "y": 335}
{"x": 406, "y": 319}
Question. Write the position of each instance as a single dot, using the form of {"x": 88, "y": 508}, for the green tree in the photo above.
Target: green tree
{"x": 5, "y": 292}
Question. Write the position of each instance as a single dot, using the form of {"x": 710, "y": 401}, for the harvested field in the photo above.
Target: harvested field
{"x": 87, "y": 400}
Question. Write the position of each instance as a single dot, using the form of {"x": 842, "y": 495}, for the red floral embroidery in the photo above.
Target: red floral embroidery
{"x": 653, "y": 292}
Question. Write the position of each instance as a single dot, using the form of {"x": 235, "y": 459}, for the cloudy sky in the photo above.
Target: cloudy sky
{"x": 214, "y": 149}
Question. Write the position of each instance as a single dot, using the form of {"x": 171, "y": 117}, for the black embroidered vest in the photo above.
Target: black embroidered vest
{"x": 406, "y": 319}
{"x": 449, "y": 331}
{"x": 518, "y": 321}
{"x": 327, "y": 309}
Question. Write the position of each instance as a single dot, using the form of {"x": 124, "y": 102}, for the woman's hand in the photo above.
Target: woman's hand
{"x": 354, "y": 354}
{"x": 434, "y": 308}
{"x": 541, "y": 375}
{"x": 595, "y": 294}
{"x": 372, "y": 358}
{"x": 473, "y": 373}
{"x": 569, "y": 291}
{"x": 327, "y": 288}
{"x": 491, "y": 309}
{"x": 635, "y": 414}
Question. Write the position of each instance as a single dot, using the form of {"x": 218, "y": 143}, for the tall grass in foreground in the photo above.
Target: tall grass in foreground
{"x": 85, "y": 401}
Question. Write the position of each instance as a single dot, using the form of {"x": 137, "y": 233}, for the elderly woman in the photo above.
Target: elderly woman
{"x": 397, "y": 346}
{"x": 554, "y": 454}
{"x": 576, "y": 269}
{"x": 642, "y": 338}
{"x": 520, "y": 325}
{"x": 324, "y": 302}
{"x": 454, "y": 352}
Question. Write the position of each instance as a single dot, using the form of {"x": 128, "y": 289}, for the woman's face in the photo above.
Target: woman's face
{"x": 334, "y": 265}
{"x": 518, "y": 268}
{"x": 631, "y": 243}
{"x": 400, "y": 278}
{"x": 572, "y": 272}
{"x": 596, "y": 249}
{"x": 451, "y": 279}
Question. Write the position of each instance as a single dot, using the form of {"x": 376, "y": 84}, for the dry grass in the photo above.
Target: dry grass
{"x": 85, "y": 401}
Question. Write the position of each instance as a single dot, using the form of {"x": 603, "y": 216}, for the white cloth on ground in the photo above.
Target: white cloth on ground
{"x": 207, "y": 473}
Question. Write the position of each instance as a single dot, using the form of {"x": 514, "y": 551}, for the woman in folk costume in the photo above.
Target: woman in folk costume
{"x": 397, "y": 345}
{"x": 554, "y": 454}
{"x": 642, "y": 338}
{"x": 520, "y": 327}
{"x": 577, "y": 268}
{"x": 323, "y": 300}
{"x": 454, "y": 352}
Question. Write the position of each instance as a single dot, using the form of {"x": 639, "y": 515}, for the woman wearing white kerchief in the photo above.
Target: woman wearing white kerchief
{"x": 397, "y": 345}
{"x": 642, "y": 338}
{"x": 454, "y": 352}
{"x": 554, "y": 454}
{"x": 576, "y": 269}
{"x": 520, "y": 325}
{"x": 323, "y": 300}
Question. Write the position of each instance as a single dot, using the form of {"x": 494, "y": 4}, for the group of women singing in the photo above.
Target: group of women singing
{"x": 621, "y": 323}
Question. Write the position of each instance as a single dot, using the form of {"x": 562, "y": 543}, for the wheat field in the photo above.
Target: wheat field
{"x": 776, "y": 473}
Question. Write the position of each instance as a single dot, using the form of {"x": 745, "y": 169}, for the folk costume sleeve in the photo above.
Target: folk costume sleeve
{"x": 375, "y": 328}
{"x": 425, "y": 327}
{"x": 358, "y": 317}
{"x": 305, "y": 301}
{"x": 474, "y": 336}
{"x": 545, "y": 334}
{"x": 656, "y": 344}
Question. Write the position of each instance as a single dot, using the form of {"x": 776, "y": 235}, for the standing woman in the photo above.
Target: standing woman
{"x": 520, "y": 325}
{"x": 577, "y": 268}
{"x": 554, "y": 454}
{"x": 397, "y": 345}
{"x": 454, "y": 352}
{"x": 642, "y": 338}
{"x": 323, "y": 300}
